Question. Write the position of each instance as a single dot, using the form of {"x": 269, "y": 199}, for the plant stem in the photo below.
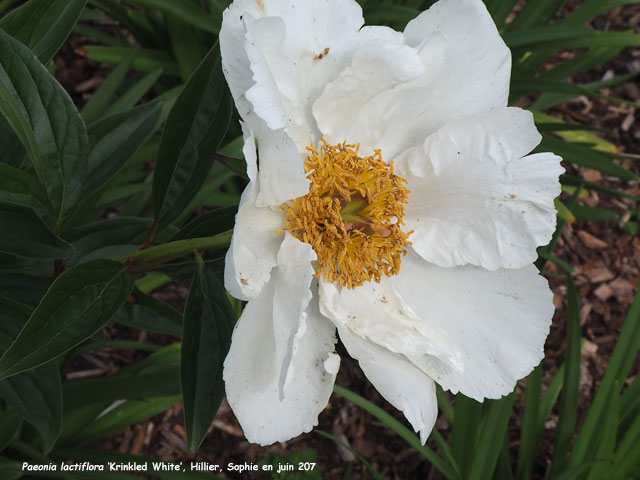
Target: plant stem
{"x": 153, "y": 256}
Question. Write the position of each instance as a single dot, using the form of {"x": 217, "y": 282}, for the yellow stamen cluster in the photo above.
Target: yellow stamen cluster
{"x": 351, "y": 215}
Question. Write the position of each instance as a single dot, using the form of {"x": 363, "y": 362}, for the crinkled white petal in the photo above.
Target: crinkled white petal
{"x": 402, "y": 384}
{"x": 274, "y": 374}
{"x": 254, "y": 245}
{"x": 376, "y": 311}
{"x": 475, "y": 198}
{"x": 466, "y": 71}
{"x": 379, "y": 66}
{"x": 278, "y": 56}
{"x": 498, "y": 321}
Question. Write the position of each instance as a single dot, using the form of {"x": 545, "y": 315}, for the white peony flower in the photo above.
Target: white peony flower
{"x": 394, "y": 200}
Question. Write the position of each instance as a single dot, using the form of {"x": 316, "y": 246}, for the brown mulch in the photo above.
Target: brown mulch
{"x": 607, "y": 272}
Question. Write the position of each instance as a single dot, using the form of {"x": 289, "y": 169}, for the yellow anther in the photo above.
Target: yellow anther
{"x": 351, "y": 215}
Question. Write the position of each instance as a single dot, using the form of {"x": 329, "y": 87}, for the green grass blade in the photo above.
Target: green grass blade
{"x": 549, "y": 399}
{"x": 134, "y": 94}
{"x": 627, "y": 456}
{"x": 188, "y": 12}
{"x": 538, "y": 12}
{"x": 590, "y": 8}
{"x": 568, "y": 412}
{"x": 466, "y": 423}
{"x": 620, "y": 363}
{"x": 630, "y": 409}
{"x": 500, "y": 10}
{"x": 607, "y": 441}
{"x": 528, "y": 434}
{"x": 99, "y": 101}
{"x": 444, "y": 403}
{"x": 572, "y": 180}
{"x": 489, "y": 446}
{"x": 145, "y": 60}
{"x": 585, "y": 157}
{"x": 403, "y": 432}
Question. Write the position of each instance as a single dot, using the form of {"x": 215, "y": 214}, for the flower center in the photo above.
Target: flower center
{"x": 351, "y": 215}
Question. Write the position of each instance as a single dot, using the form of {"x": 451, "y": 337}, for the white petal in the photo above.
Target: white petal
{"x": 498, "y": 320}
{"x": 279, "y": 56}
{"x": 282, "y": 176}
{"x": 474, "y": 199}
{"x": 254, "y": 245}
{"x": 467, "y": 70}
{"x": 378, "y": 66}
{"x": 402, "y": 384}
{"x": 376, "y": 312}
{"x": 274, "y": 373}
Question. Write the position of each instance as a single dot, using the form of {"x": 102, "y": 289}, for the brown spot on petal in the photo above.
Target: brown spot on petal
{"x": 322, "y": 54}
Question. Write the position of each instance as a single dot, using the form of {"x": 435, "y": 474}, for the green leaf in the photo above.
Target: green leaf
{"x": 590, "y": 8}
{"x": 106, "y": 238}
{"x": 124, "y": 415}
{"x": 161, "y": 383}
{"x": 20, "y": 188}
{"x": 103, "y": 96}
{"x": 594, "y": 214}
{"x": 59, "y": 154}
{"x": 22, "y": 287}
{"x": 535, "y": 13}
{"x": 607, "y": 441}
{"x": 500, "y": 10}
{"x": 43, "y": 25}
{"x": 115, "y": 139}
{"x": 10, "y": 422}
{"x": 563, "y": 211}
{"x": 186, "y": 47}
{"x": 585, "y": 157}
{"x": 528, "y": 433}
{"x": 13, "y": 316}
{"x": 208, "y": 323}
{"x": 390, "y": 14}
{"x": 464, "y": 435}
{"x": 150, "y": 314}
{"x": 145, "y": 60}
{"x": 37, "y": 395}
{"x": 23, "y": 233}
{"x": 561, "y": 37}
{"x": 9, "y": 469}
{"x": 209, "y": 224}
{"x": 76, "y": 306}
{"x": 494, "y": 427}
{"x": 627, "y": 456}
{"x": 568, "y": 412}
{"x": 133, "y": 95}
{"x": 195, "y": 127}
{"x": 185, "y": 11}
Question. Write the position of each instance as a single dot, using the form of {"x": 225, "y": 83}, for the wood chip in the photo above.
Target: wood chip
{"x": 591, "y": 241}
{"x": 138, "y": 441}
{"x": 591, "y": 175}
{"x": 598, "y": 274}
{"x": 589, "y": 349}
{"x": 603, "y": 292}
{"x": 622, "y": 288}
{"x": 628, "y": 122}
